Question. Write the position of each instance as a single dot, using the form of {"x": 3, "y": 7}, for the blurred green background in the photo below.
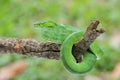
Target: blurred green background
{"x": 18, "y": 16}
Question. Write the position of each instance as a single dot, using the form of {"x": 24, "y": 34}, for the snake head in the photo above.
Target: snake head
{"x": 45, "y": 24}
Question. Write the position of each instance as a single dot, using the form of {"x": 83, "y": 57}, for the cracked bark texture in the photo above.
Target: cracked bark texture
{"x": 50, "y": 50}
{"x": 29, "y": 47}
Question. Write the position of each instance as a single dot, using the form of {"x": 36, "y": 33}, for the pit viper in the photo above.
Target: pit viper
{"x": 67, "y": 35}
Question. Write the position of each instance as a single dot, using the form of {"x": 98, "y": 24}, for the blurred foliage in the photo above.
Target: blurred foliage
{"x": 17, "y": 18}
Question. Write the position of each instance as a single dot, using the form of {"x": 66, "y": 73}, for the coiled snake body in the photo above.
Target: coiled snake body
{"x": 67, "y": 36}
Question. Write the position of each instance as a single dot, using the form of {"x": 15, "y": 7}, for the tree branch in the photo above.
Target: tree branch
{"x": 49, "y": 50}
{"x": 29, "y": 47}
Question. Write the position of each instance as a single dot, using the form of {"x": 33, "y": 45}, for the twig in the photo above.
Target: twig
{"x": 49, "y": 50}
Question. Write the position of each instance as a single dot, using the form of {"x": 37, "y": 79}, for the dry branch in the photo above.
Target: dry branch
{"x": 29, "y": 47}
{"x": 49, "y": 50}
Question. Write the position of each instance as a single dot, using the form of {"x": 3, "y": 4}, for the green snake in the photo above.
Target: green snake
{"x": 67, "y": 36}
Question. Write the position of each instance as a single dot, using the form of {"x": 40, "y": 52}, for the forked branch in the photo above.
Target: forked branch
{"x": 50, "y": 50}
